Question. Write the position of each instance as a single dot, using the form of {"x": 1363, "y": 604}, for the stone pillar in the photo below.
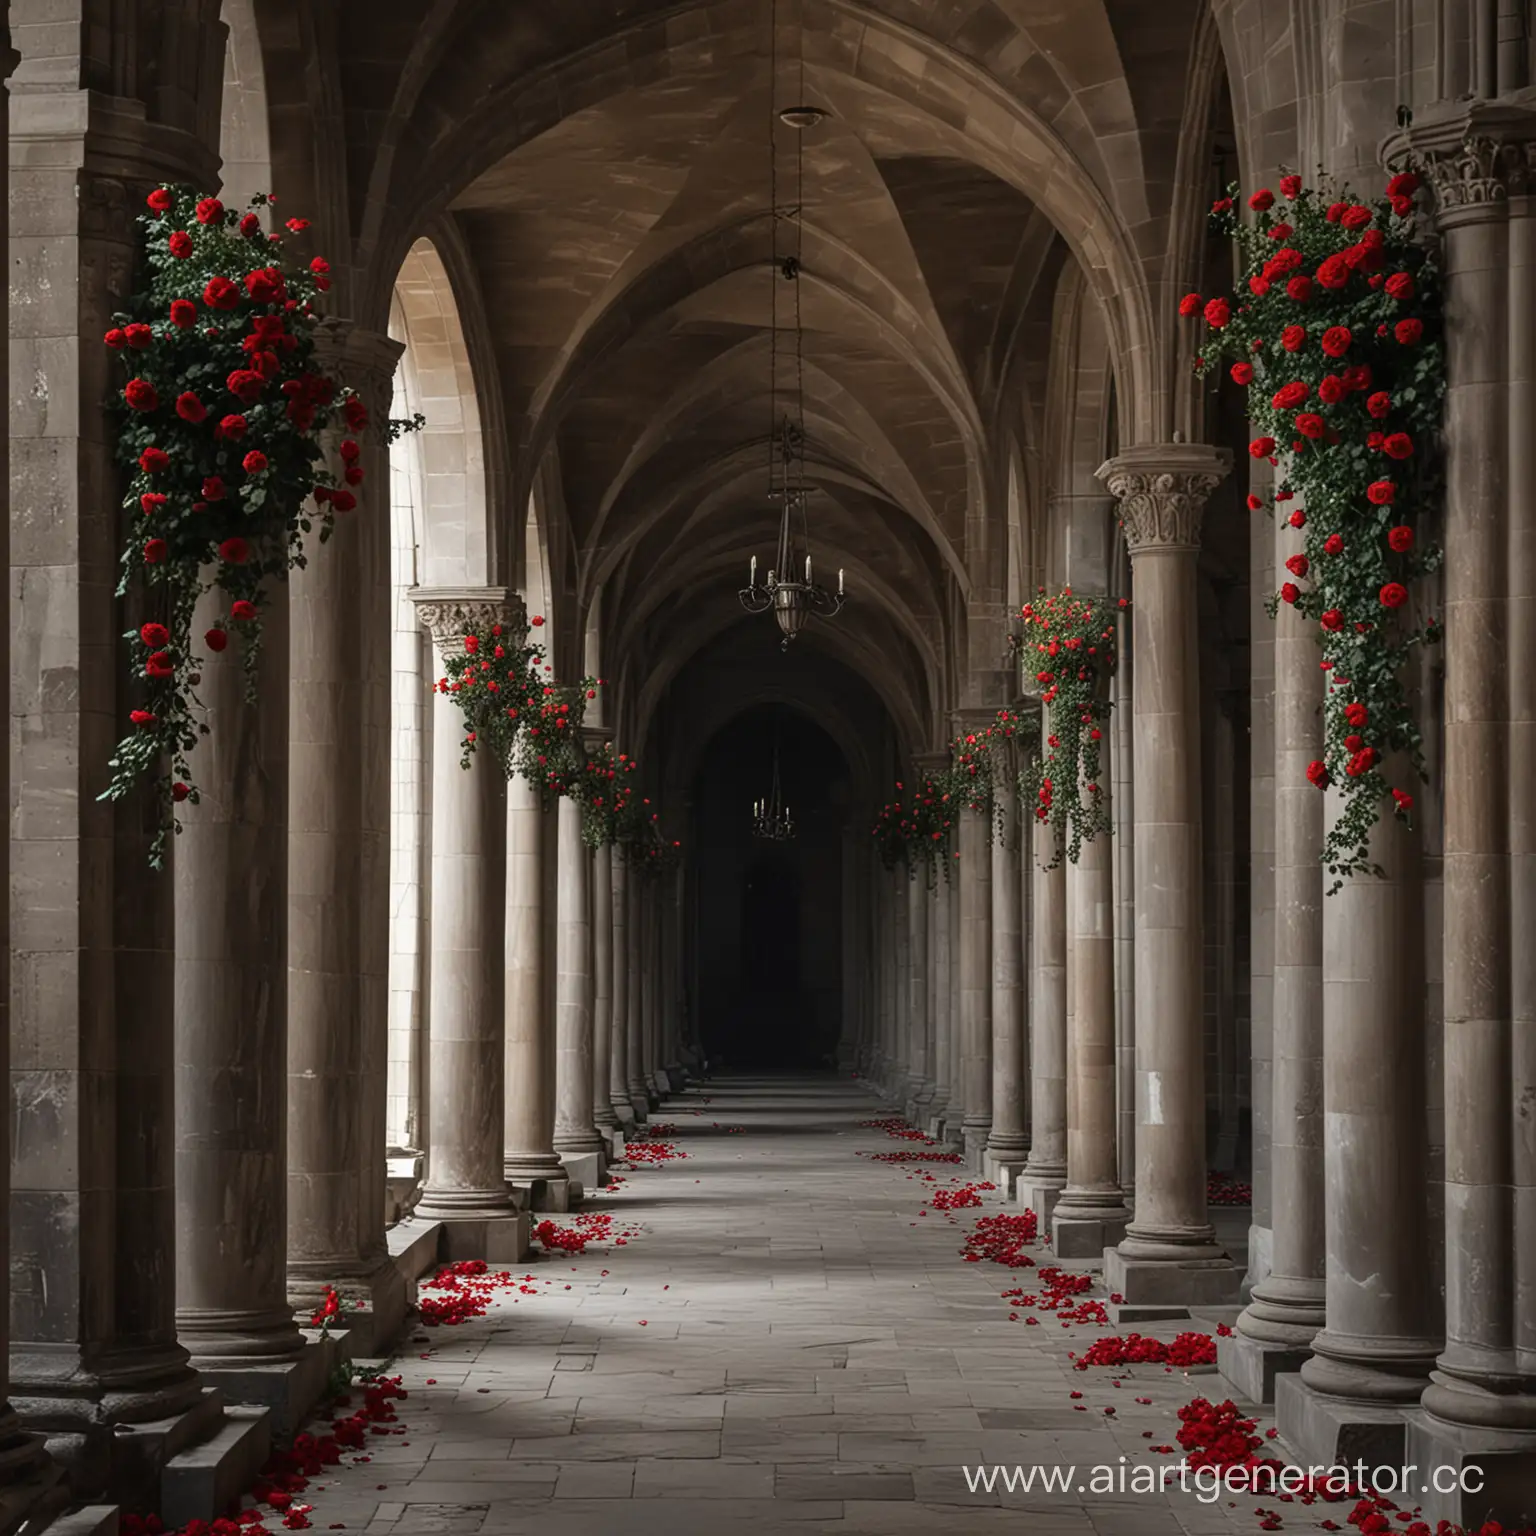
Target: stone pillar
{"x": 1090, "y": 1213}
{"x": 919, "y": 1020}
{"x": 1169, "y": 1258}
{"x": 618, "y": 1047}
{"x": 465, "y": 1186}
{"x": 1479, "y": 1408}
{"x": 92, "y": 1222}
{"x": 530, "y": 1164}
{"x": 603, "y": 1116}
{"x": 900, "y": 1073}
{"x": 337, "y": 866}
{"x": 576, "y": 1136}
{"x": 1045, "y": 1173}
{"x": 1007, "y": 1144}
{"x": 1123, "y": 852}
{"x": 1275, "y": 1332}
{"x": 955, "y": 1115}
{"x": 974, "y": 870}
{"x": 939, "y": 997}
{"x": 639, "y": 1095}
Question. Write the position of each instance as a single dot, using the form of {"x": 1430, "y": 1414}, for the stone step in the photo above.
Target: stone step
{"x": 88, "y": 1520}
{"x": 202, "y": 1481}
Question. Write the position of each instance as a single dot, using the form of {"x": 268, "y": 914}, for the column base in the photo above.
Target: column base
{"x": 932, "y": 1123}
{"x": 288, "y": 1390}
{"x": 1502, "y": 1464}
{"x": 1252, "y": 1368}
{"x": 466, "y": 1204}
{"x": 402, "y": 1184}
{"x": 639, "y": 1103}
{"x": 497, "y": 1240}
{"x": 1156, "y": 1287}
{"x": 201, "y": 1482}
{"x": 1039, "y": 1188}
{"x": 1274, "y": 1336}
{"x": 1331, "y": 1431}
{"x": 662, "y": 1081}
{"x": 613, "y": 1145}
{"x": 372, "y": 1296}
{"x": 1084, "y": 1223}
{"x": 1004, "y": 1163}
{"x": 974, "y": 1142}
{"x": 623, "y": 1112}
{"x": 584, "y": 1171}
{"x": 228, "y": 1340}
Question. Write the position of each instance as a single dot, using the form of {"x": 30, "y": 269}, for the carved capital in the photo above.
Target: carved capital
{"x": 595, "y": 737}
{"x": 1474, "y": 155}
{"x": 364, "y": 360}
{"x": 450, "y": 613}
{"x": 926, "y": 764}
{"x": 1162, "y": 490}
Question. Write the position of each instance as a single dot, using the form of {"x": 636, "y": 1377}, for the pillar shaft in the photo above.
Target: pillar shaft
{"x": 974, "y": 869}
{"x": 618, "y": 1047}
{"x": 1046, "y": 1171}
{"x": 939, "y": 992}
{"x": 602, "y": 986}
{"x": 465, "y": 1178}
{"x": 1006, "y": 1141}
{"x": 919, "y": 1017}
{"x": 635, "y": 1002}
{"x": 575, "y": 1130}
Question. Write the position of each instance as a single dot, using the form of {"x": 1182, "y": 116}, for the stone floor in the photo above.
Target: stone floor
{"x": 786, "y": 1345}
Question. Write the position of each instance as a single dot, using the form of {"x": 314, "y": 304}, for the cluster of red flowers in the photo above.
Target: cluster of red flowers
{"x": 1223, "y": 1189}
{"x": 1132, "y": 1349}
{"x": 221, "y": 422}
{"x": 649, "y": 1154}
{"x": 958, "y": 1199}
{"x": 1338, "y": 345}
{"x": 327, "y": 1312}
{"x": 917, "y": 831}
{"x": 589, "y": 1227}
{"x": 466, "y": 1287}
{"x": 1067, "y": 647}
{"x": 915, "y": 1157}
{"x": 1058, "y": 1297}
{"x": 1218, "y": 1435}
{"x": 1002, "y": 1240}
{"x": 894, "y": 1125}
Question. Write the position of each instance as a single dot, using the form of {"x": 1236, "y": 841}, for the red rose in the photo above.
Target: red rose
{"x": 1357, "y": 715}
{"x": 1332, "y": 621}
{"x": 209, "y": 210}
{"x": 115, "y": 338}
{"x": 1403, "y": 799}
{"x": 1356, "y": 216}
{"x": 1317, "y": 773}
{"x": 1408, "y": 331}
{"x": 1242, "y": 373}
{"x": 1381, "y": 493}
{"x": 183, "y": 313}
{"x": 234, "y": 551}
{"x": 142, "y": 716}
{"x": 1402, "y": 206}
{"x": 180, "y": 245}
{"x": 1289, "y": 396}
{"x": 1394, "y": 595}
{"x": 250, "y": 226}
{"x": 1254, "y": 502}
{"x": 216, "y": 639}
{"x": 220, "y": 293}
{"x": 265, "y": 285}
{"x": 1290, "y": 186}
{"x": 537, "y": 621}
{"x": 153, "y": 460}
{"x": 1334, "y": 272}
{"x": 1189, "y": 305}
{"x": 1217, "y": 313}
{"x": 254, "y": 462}
{"x": 343, "y": 501}
{"x": 140, "y": 394}
{"x": 1297, "y": 565}
{"x": 355, "y": 413}
{"x": 1281, "y": 232}
{"x": 1258, "y": 286}
{"x": 1362, "y": 762}
{"x": 1293, "y": 338}
{"x": 1299, "y": 288}
{"x": 154, "y": 636}
{"x": 319, "y": 266}
{"x": 1379, "y": 404}
{"x": 1261, "y": 447}
{"x": 1333, "y": 545}
{"x": 1311, "y": 425}
{"x": 246, "y": 385}
{"x": 1400, "y": 539}
{"x": 1330, "y": 389}
{"x": 297, "y": 226}
{"x": 1297, "y": 519}
{"x": 1357, "y": 376}
{"x": 158, "y": 664}
{"x": 151, "y": 502}
{"x": 1400, "y": 286}
{"x": 353, "y": 474}
{"x": 138, "y": 336}
{"x": 232, "y": 427}
{"x": 1222, "y": 205}
{"x": 349, "y": 451}
{"x": 1397, "y": 445}
{"x": 160, "y": 200}
{"x": 180, "y": 791}
{"x": 154, "y": 551}
{"x": 1404, "y": 184}
{"x": 1290, "y": 592}
{"x": 471, "y": 643}
{"x": 213, "y": 488}
{"x": 242, "y": 609}
{"x": 1262, "y": 200}
{"x": 190, "y": 408}
{"x": 1374, "y": 440}
{"x": 1336, "y": 340}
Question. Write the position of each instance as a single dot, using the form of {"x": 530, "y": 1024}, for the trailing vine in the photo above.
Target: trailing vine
{"x": 1069, "y": 641}
{"x": 1338, "y": 343}
{"x": 607, "y": 798}
{"x": 222, "y": 420}
{"x": 917, "y": 832}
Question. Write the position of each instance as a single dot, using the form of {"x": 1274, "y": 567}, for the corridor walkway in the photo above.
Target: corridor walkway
{"x": 786, "y": 1344}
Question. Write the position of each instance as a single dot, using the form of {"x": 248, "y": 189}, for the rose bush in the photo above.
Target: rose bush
{"x": 916, "y": 831}
{"x": 223, "y": 417}
{"x": 1338, "y": 344}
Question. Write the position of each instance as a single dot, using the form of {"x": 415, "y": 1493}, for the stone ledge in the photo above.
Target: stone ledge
{"x": 200, "y": 1483}
{"x": 1331, "y": 1431}
{"x": 413, "y": 1246}
{"x": 88, "y": 1520}
{"x": 1506, "y": 1460}
{"x": 497, "y": 1240}
{"x": 289, "y": 1391}
{"x": 1252, "y": 1369}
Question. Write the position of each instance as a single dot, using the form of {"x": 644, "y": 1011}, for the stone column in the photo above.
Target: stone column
{"x": 92, "y": 1223}
{"x": 576, "y": 1136}
{"x": 1480, "y": 1405}
{"x": 900, "y": 1072}
{"x": 1045, "y": 1173}
{"x": 1274, "y": 1333}
{"x": 955, "y": 1116}
{"x": 1123, "y": 852}
{"x": 603, "y": 1116}
{"x": 530, "y": 1163}
{"x": 1007, "y": 1145}
{"x": 938, "y": 997}
{"x": 1090, "y": 1213}
{"x": 337, "y": 866}
{"x": 639, "y": 1095}
{"x": 974, "y": 870}
{"x": 465, "y": 1186}
{"x": 618, "y": 1051}
{"x": 919, "y": 1021}
{"x": 1169, "y": 1258}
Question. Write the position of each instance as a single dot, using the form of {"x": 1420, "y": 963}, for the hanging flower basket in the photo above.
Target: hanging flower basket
{"x": 222, "y": 417}
{"x": 917, "y": 832}
{"x": 607, "y": 797}
{"x": 1066, "y": 647}
{"x": 1336, "y": 335}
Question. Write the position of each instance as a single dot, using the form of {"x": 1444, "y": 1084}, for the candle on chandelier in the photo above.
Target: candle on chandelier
{"x": 754, "y": 571}
{"x": 807, "y": 570}
{"x": 839, "y": 581}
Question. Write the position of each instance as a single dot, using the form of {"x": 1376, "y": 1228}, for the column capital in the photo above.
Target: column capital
{"x": 365, "y": 359}
{"x": 1475, "y": 155}
{"x": 1162, "y": 490}
{"x": 930, "y": 762}
{"x": 974, "y": 718}
{"x": 450, "y": 613}
{"x": 595, "y": 737}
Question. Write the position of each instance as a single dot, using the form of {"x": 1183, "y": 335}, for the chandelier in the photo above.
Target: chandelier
{"x": 791, "y": 597}
{"x": 771, "y": 820}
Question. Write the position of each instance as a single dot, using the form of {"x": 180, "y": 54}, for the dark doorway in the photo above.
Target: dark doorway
{"x": 766, "y": 918}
